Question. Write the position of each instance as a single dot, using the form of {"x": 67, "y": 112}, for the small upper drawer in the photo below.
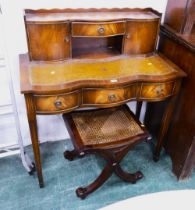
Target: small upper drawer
{"x": 97, "y": 29}
{"x": 156, "y": 91}
{"x": 98, "y": 96}
{"x": 57, "y": 103}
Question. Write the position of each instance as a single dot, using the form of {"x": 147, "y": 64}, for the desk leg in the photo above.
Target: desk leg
{"x": 31, "y": 113}
{"x": 166, "y": 121}
{"x": 138, "y": 109}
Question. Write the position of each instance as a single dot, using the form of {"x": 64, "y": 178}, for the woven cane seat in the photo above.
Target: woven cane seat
{"x": 106, "y": 125}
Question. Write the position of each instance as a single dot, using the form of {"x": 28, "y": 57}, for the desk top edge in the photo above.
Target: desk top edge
{"x": 91, "y": 14}
{"x": 27, "y": 87}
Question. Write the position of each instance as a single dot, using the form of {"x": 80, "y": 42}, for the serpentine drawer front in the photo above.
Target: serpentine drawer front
{"x": 47, "y": 104}
{"x": 90, "y": 29}
{"x": 99, "y": 96}
{"x": 156, "y": 91}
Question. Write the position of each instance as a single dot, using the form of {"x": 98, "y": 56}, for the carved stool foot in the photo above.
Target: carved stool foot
{"x": 138, "y": 175}
{"x": 70, "y": 155}
{"x": 81, "y": 192}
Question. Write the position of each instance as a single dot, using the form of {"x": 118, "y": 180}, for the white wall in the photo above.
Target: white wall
{"x": 50, "y": 127}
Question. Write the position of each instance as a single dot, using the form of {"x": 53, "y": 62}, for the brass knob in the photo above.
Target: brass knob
{"x": 66, "y": 38}
{"x": 101, "y": 30}
{"x": 159, "y": 91}
{"x": 111, "y": 97}
{"x": 58, "y": 103}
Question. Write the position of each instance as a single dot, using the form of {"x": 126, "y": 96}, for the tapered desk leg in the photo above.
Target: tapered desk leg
{"x": 34, "y": 136}
{"x": 138, "y": 109}
{"x": 166, "y": 122}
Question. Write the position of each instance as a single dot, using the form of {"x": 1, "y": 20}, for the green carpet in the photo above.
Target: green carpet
{"x": 20, "y": 191}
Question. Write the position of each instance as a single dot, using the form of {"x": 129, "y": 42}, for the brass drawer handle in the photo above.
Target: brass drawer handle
{"x": 101, "y": 30}
{"x": 58, "y": 104}
{"x": 112, "y": 97}
{"x": 159, "y": 91}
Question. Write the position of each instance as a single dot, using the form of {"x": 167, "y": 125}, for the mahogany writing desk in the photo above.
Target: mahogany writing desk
{"x": 94, "y": 58}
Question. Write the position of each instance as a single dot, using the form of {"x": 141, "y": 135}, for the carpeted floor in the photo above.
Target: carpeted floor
{"x": 20, "y": 191}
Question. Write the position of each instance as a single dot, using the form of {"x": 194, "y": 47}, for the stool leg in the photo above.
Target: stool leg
{"x": 82, "y": 192}
{"x": 127, "y": 177}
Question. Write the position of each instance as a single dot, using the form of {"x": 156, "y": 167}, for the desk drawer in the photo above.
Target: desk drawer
{"x": 156, "y": 90}
{"x": 99, "y": 29}
{"x": 57, "y": 103}
{"x": 98, "y": 96}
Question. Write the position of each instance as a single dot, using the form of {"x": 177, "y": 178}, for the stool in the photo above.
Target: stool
{"x": 110, "y": 133}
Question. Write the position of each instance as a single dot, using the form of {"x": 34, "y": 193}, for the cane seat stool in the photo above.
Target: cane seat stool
{"x": 110, "y": 133}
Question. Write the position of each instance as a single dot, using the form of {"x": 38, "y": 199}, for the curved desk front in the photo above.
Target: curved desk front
{"x": 59, "y": 87}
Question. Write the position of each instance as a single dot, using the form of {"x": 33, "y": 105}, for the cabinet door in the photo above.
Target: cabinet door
{"x": 141, "y": 36}
{"x": 48, "y": 41}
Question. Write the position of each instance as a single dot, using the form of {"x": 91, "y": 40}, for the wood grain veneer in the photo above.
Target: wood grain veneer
{"x": 141, "y": 36}
{"x": 100, "y": 29}
{"x": 48, "y": 41}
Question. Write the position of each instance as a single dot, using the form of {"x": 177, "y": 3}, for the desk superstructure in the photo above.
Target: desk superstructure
{"x": 94, "y": 58}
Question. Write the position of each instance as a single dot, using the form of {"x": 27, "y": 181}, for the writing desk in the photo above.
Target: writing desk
{"x": 60, "y": 76}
